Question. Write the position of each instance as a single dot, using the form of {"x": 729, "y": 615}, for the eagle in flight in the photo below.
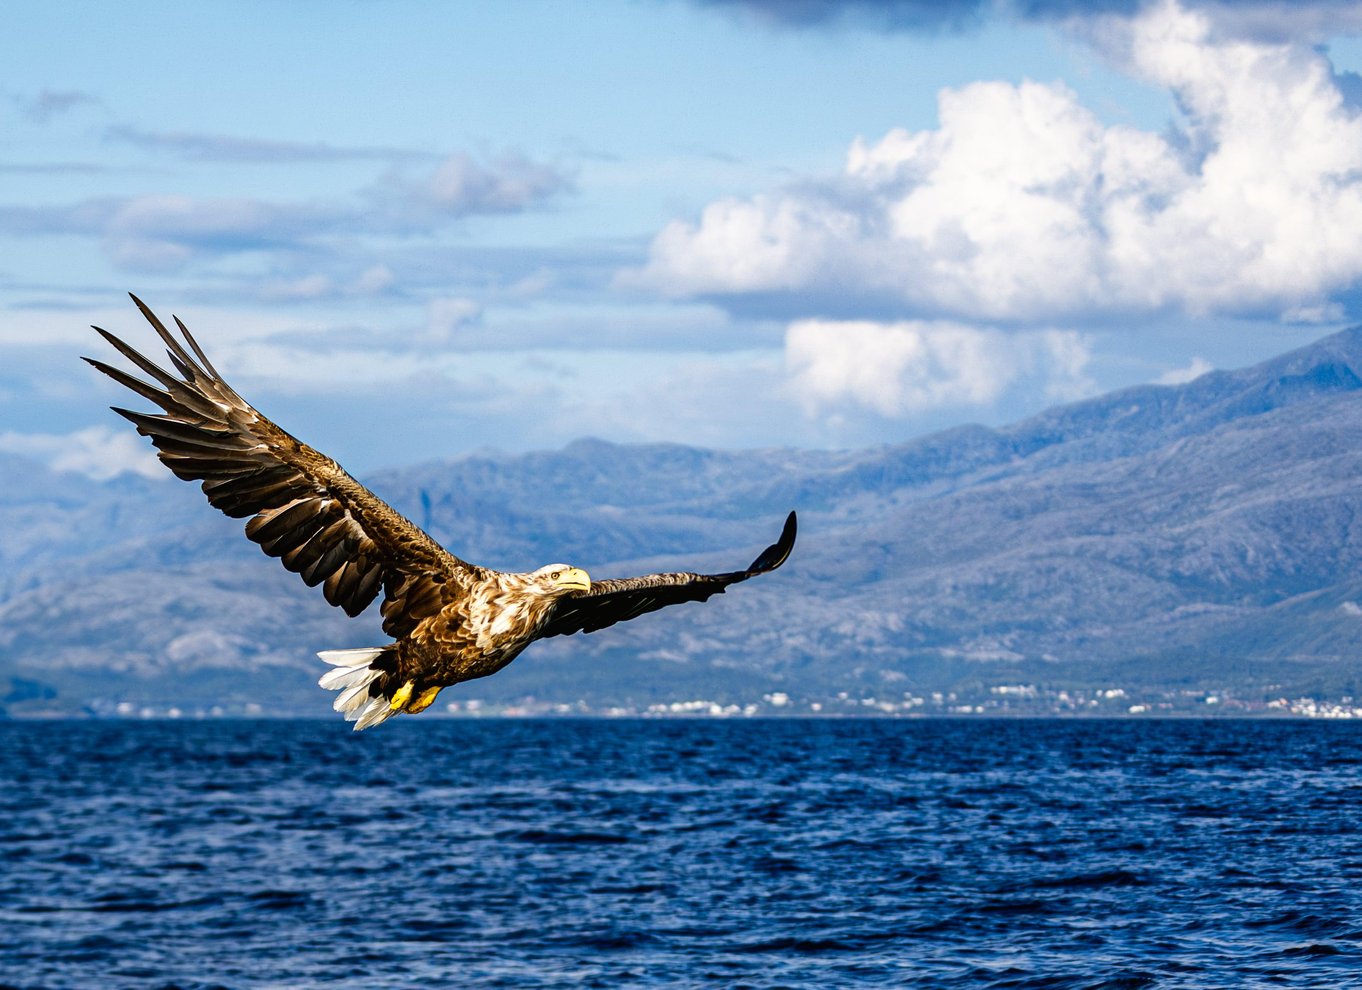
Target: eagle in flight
{"x": 449, "y": 620}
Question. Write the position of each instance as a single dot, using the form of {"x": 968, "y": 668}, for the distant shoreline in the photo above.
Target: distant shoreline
{"x": 1226, "y": 716}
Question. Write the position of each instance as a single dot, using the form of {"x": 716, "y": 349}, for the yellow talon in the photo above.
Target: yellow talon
{"x": 423, "y": 700}
{"x": 401, "y": 695}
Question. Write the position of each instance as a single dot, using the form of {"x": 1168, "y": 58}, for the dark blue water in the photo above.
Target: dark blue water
{"x": 995, "y": 854}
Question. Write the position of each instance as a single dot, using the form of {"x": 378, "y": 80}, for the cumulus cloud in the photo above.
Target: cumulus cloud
{"x": 98, "y": 452}
{"x": 1022, "y": 206}
{"x": 898, "y": 369}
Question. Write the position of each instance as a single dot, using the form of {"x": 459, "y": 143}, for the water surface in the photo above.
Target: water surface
{"x": 558, "y": 853}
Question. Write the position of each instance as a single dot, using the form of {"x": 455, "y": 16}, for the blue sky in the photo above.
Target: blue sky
{"x": 413, "y": 230}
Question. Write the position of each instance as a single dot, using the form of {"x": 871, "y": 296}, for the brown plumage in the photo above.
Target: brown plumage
{"x": 450, "y": 620}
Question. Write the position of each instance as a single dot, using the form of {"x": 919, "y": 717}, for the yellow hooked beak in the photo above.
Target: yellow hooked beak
{"x": 574, "y": 579}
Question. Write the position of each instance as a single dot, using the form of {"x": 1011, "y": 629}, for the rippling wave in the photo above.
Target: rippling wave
{"x": 763, "y": 854}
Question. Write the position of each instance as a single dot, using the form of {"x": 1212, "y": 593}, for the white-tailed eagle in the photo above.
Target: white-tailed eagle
{"x": 450, "y": 620}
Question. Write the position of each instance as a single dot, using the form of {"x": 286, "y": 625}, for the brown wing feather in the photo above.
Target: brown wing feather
{"x": 620, "y": 599}
{"x": 301, "y": 506}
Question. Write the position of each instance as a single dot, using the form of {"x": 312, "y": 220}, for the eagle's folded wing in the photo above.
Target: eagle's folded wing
{"x": 620, "y": 599}
{"x": 302, "y": 506}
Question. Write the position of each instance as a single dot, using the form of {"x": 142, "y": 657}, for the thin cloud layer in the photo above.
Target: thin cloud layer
{"x": 98, "y": 452}
{"x": 49, "y": 104}
{"x": 462, "y": 186}
{"x": 1264, "y": 20}
{"x": 1275, "y": 21}
{"x": 227, "y": 148}
{"x": 884, "y": 15}
{"x": 164, "y": 232}
{"x": 1023, "y": 207}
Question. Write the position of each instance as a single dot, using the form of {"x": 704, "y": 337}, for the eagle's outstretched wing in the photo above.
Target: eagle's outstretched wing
{"x": 619, "y": 599}
{"x": 303, "y": 507}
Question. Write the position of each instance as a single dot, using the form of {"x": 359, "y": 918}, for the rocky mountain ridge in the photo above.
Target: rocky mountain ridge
{"x": 1201, "y": 537}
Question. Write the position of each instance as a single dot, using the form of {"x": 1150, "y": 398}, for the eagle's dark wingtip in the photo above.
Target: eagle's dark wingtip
{"x": 777, "y": 553}
{"x": 144, "y": 308}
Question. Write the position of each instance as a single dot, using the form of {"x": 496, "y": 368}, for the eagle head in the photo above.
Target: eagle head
{"x": 557, "y": 579}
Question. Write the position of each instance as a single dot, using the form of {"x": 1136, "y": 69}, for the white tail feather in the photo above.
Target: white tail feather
{"x": 350, "y": 658}
{"x": 352, "y": 676}
{"x": 344, "y": 677}
{"x": 378, "y": 710}
{"x": 353, "y": 697}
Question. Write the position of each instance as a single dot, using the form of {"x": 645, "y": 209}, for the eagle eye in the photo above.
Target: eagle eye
{"x": 555, "y": 575}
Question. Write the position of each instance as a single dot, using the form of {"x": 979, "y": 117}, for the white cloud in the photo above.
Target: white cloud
{"x": 462, "y": 186}
{"x": 513, "y": 182}
{"x": 445, "y": 316}
{"x": 897, "y": 369}
{"x": 99, "y": 452}
{"x": 1023, "y": 206}
{"x": 1315, "y": 313}
{"x": 1181, "y": 376}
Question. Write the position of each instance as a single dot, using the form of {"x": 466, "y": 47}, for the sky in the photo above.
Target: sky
{"x": 409, "y": 231}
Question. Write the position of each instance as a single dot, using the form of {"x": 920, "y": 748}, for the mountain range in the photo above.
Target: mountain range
{"x": 1198, "y": 540}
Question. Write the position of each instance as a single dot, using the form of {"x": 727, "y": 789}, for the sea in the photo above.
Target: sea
{"x": 799, "y": 853}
